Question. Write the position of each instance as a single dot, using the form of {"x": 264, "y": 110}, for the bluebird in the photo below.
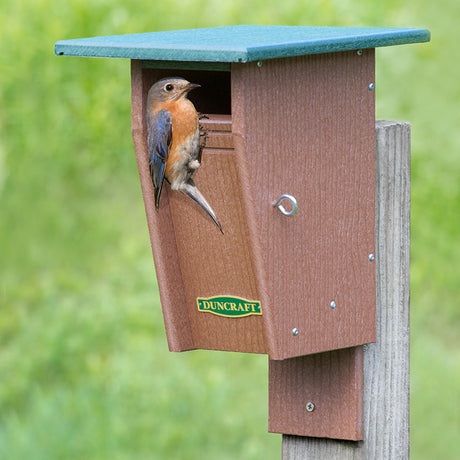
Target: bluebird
{"x": 174, "y": 140}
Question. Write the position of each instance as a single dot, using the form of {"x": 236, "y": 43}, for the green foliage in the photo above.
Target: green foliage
{"x": 84, "y": 368}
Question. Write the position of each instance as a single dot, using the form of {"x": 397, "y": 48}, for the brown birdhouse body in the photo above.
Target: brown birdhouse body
{"x": 303, "y": 126}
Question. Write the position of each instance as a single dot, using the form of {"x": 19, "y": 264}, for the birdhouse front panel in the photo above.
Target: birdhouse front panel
{"x": 209, "y": 294}
{"x": 217, "y": 270}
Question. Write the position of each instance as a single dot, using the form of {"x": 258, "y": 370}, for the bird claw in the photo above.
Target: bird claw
{"x": 204, "y": 134}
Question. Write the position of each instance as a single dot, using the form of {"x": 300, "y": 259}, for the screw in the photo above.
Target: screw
{"x": 359, "y": 52}
{"x": 310, "y": 406}
{"x": 295, "y": 331}
{"x": 371, "y": 257}
{"x": 333, "y": 304}
{"x": 371, "y": 86}
{"x": 259, "y": 63}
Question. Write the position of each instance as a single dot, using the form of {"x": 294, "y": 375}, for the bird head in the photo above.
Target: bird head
{"x": 170, "y": 89}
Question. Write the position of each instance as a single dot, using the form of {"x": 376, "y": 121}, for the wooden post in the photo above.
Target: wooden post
{"x": 386, "y": 362}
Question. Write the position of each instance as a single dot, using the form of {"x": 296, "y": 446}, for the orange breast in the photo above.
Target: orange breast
{"x": 185, "y": 124}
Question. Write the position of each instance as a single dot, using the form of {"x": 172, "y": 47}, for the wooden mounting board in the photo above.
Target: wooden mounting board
{"x": 331, "y": 381}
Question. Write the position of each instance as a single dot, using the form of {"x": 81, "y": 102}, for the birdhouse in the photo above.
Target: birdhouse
{"x": 289, "y": 169}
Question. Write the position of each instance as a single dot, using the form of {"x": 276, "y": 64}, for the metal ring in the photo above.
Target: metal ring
{"x": 293, "y": 201}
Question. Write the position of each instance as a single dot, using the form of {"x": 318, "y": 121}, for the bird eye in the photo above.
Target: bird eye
{"x": 169, "y": 87}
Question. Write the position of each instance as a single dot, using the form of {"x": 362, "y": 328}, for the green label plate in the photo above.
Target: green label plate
{"x": 229, "y": 306}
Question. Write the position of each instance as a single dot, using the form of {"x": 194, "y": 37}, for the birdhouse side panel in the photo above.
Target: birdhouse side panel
{"x": 171, "y": 288}
{"x": 308, "y": 129}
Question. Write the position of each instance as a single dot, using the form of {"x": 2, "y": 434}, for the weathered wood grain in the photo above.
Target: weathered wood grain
{"x": 386, "y": 362}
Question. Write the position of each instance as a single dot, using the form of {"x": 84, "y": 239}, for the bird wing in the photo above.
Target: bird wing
{"x": 159, "y": 128}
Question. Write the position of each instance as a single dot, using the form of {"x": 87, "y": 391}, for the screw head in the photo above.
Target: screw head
{"x": 333, "y": 304}
{"x": 371, "y": 257}
{"x": 371, "y": 86}
{"x": 310, "y": 406}
{"x": 295, "y": 331}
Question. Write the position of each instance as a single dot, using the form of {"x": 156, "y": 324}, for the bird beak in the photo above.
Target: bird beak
{"x": 189, "y": 87}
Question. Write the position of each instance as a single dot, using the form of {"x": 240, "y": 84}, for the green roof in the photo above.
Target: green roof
{"x": 238, "y": 43}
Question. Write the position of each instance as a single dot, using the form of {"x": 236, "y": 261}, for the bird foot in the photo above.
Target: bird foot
{"x": 203, "y": 137}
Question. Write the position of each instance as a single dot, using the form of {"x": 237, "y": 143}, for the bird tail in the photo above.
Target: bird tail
{"x": 192, "y": 191}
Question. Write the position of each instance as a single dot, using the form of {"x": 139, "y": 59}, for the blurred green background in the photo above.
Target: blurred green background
{"x": 84, "y": 367}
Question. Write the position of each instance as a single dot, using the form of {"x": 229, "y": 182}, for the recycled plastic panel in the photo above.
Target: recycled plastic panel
{"x": 213, "y": 264}
{"x": 331, "y": 381}
{"x": 306, "y": 126}
{"x": 205, "y": 262}
{"x": 240, "y": 43}
{"x": 177, "y": 322}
